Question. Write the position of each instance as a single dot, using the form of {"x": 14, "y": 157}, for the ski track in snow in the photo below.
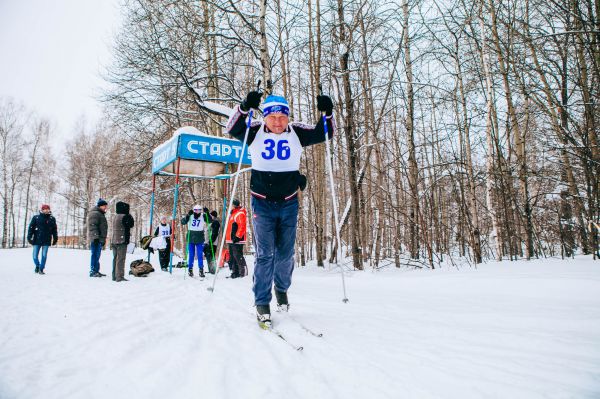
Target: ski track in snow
{"x": 505, "y": 330}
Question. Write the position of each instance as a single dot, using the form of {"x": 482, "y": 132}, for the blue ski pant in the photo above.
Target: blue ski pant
{"x": 274, "y": 239}
{"x": 40, "y": 264}
{"x": 95, "y": 260}
{"x": 193, "y": 251}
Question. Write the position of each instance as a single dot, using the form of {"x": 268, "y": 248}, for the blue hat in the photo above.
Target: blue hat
{"x": 275, "y": 104}
{"x": 101, "y": 202}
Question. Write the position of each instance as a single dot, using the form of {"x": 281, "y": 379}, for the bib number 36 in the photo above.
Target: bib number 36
{"x": 281, "y": 150}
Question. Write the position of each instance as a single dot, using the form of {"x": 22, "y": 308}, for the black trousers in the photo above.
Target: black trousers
{"x": 164, "y": 256}
{"x": 237, "y": 261}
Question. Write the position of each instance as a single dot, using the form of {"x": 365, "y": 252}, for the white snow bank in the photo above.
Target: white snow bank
{"x": 506, "y": 330}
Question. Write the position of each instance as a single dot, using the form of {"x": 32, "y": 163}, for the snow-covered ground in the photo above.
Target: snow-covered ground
{"x": 506, "y": 330}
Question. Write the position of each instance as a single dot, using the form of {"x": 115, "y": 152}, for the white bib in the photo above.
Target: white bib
{"x": 196, "y": 224}
{"x": 272, "y": 152}
{"x": 164, "y": 231}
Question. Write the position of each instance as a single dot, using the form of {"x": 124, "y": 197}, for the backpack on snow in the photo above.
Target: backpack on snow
{"x": 140, "y": 268}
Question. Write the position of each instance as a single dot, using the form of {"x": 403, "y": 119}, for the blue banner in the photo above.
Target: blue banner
{"x": 164, "y": 155}
{"x": 214, "y": 149}
{"x": 198, "y": 148}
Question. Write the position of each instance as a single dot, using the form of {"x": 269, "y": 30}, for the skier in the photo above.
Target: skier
{"x": 197, "y": 232}
{"x": 97, "y": 232}
{"x": 210, "y": 249}
{"x": 41, "y": 233}
{"x": 164, "y": 230}
{"x": 235, "y": 237}
{"x": 275, "y": 147}
{"x": 121, "y": 234}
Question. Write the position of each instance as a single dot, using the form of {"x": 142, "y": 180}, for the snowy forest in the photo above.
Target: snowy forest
{"x": 466, "y": 130}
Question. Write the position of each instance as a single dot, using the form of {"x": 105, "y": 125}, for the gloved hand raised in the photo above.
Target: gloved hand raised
{"x": 252, "y": 101}
{"x": 190, "y": 212}
{"x": 324, "y": 104}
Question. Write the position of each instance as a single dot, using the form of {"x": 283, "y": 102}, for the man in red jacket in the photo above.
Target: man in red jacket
{"x": 236, "y": 238}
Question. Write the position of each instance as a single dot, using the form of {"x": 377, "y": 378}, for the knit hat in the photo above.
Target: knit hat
{"x": 275, "y": 105}
{"x": 101, "y": 202}
{"x": 197, "y": 208}
{"x": 236, "y": 202}
{"x": 45, "y": 206}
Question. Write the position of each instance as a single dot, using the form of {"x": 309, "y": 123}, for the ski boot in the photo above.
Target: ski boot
{"x": 202, "y": 273}
{"x": 263, "y": 315}
{"x": 191, "y": 272}
{"x": 282, "y": 301}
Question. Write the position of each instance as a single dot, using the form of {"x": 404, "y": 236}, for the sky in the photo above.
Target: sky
{"x": 52, "y": 53}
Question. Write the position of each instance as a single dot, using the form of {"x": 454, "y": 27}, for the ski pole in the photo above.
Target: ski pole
{"x": 333, "y": 199}
{"x": 232, "y": 196}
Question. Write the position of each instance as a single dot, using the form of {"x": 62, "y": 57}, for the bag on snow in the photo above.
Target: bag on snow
{"x": 140, "y": 268}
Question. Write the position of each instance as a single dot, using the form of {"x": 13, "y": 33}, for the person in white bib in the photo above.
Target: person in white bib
{"x": 275, "y": 147}
{"x": 197, "y": 229}
{"x": 163, "y": 231}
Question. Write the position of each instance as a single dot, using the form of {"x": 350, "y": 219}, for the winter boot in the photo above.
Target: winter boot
{"x": 100, "y": 274}
{"x": 37, "y": 269}
{"x": 282, "y": 301}
{"x": 202, "y": 273}
{"x": 263, "y": 315}
{"x": 41, "y": 271}
{"x": 191, "y": 272}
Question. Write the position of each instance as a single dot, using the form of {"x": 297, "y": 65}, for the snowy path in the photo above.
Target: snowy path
{"x": 521, "y": 330}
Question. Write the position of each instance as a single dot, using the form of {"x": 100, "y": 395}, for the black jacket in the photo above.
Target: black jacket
{"x": 215, "y": 226}
{"x": 195, "y": 237}
{"x": 278, "y": 185}
{"x": 42, "y": 229}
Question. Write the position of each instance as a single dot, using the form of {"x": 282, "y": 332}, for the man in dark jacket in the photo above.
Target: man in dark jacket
{"x": 42, "y": 232}
{"x": 275, "y": 146}
{"x": 121, "y": 234}
{"x": 97, "y": 231}
{"x": 196, "y": 232}
{"x": 210, "y": 249}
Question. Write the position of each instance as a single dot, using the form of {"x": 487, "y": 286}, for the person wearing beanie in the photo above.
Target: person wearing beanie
{"x": 121, "y": 234}
{"x": 164, "y": 254}
{"x": 235, "y": 236}
{"x": 275, "y": 146}
{"x": 97, "y": 227}
{"x": 197, "y": 229}
{"x": 41, "y": 234}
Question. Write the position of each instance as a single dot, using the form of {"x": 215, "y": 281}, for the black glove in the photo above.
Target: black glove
{"x": 324, "y": 104}
{"x": 302, "y": 182}
{"x": 252, "y": 101}
{"x": 54, "y": 241}
{"x": 30, "y": 241}
{"x": 190, "y": 212}
{"x": 236, "y": 239}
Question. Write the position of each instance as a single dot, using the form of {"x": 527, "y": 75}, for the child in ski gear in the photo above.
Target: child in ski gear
{"x": 210, "y": 249}
{"x": 164, "y": 255}
{"x": 121, "y": 234}
{"x": 97, "y": 231}
{"x": 275, "y": 146}
{"x": 235, "y": 237}
{"x": 197, "y": 229}
{"x": 41, "y": 233}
